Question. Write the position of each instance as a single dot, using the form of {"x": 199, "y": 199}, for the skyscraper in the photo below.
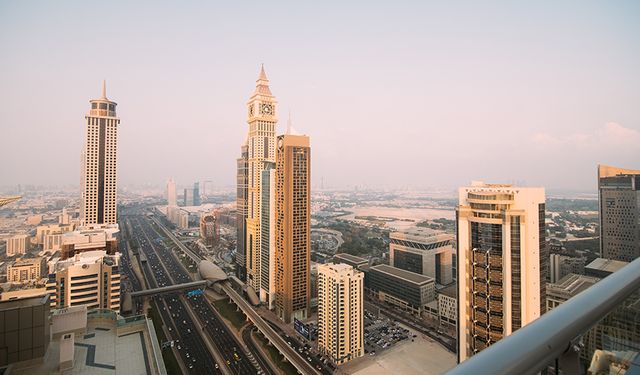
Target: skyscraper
{"x": 242, "y": 176}
{"x": 267, "y": 242}
{"x": 501, "y": 262}
{"x": 196, "y": 193}
{"x": 261, "y": 147}
{"x": 292, "y": 239}
{"x": 340, "y": 312}
{"x": 619, "y": 196}
{"x": 99, "y": 157}
{"x": 171, "y": 193}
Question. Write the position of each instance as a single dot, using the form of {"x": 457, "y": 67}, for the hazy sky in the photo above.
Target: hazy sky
{"x": 391, "y": 93}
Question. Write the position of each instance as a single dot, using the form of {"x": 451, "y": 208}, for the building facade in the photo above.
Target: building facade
{"x": 242, "y": 175}
{"x": 267, "y": 242}
{"x": 89, "y": 279}
{"x": 340, "y": 312}
{"x": 99, "y": 163}
{"x": 561, "y": 266}
{"x": 292, "y": 227}
{"x": 502, "y": 262}
{"x": 18, "y": 244}
{"x": 406, "y": 290}
{"x": 262, "y": 120}
{"x": 24, "y": 270}
{"x": 424, "y": 251}
{"x": 619, "y": 206}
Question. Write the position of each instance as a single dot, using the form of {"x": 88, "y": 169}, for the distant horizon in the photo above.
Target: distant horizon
{"x": 414, "y": 94}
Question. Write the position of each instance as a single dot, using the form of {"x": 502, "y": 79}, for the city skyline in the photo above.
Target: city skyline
{"x": 543, "y": 86}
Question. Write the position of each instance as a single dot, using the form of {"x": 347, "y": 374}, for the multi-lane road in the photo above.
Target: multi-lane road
{"x": 192, "y": 322}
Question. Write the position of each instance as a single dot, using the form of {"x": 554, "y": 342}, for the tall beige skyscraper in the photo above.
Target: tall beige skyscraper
{"x": 172, "y": 200}
{"x": 340, "y": 312}
{"x": 619, "y": 196}
{"x": 262, "y": 121}
{"x": 292, "y": 223}
{"x": 501, "y": 262}
{"x": 99, "y": 156}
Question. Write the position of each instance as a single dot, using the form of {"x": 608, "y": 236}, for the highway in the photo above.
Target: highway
{"x": 191, "y": 346}
{"x": 218, "y": 333}
{"x": 290, "y": 353}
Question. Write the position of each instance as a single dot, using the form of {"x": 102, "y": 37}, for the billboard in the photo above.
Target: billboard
{"x": 301, "y": 328}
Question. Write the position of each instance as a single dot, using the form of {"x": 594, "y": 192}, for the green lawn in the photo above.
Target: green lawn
{"x": 276, "y": 357}
{"x": 170, "y": 361}
{"x": 228, "y": 311}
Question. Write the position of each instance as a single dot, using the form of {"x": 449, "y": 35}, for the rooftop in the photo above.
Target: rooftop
{"x": 411, "y": 277}
{"x": 109, "y": 345}
{"x": 450, "y": 291}
{"x": 570, "y": 285}
{"x": 350, "y": 258}
{"x": 422, "y": 235}
{"x": 607, "y": 265}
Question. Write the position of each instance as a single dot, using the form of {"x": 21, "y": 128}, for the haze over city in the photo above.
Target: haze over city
{"x": 413, "y": 94}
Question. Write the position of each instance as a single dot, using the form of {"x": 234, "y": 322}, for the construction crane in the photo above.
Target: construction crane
{"x": 6, "y": 200}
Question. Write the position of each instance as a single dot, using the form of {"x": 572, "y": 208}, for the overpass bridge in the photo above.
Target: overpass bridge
{"x": 171, "y": 288}
{"x": 276, "y": 340}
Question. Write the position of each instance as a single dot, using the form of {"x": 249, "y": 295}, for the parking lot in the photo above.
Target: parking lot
{"x": 381, "y": 333}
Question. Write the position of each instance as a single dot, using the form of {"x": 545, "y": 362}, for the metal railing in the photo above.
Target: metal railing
{"x": 552, "y": 337}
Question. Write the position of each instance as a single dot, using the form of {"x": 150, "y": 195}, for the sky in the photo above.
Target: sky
{"x": 392, "y": 94}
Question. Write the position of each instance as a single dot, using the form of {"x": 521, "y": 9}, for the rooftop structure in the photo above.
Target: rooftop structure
{"x": 602, "y": 268}
{"x": 349, "y": 259}
{"x": 568, "y": 287}
{"x": 88, "y": 238}
{"x": 423, "y": 250}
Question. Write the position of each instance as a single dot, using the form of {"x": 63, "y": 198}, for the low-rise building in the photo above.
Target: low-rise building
{"x": 407, "y": 290}
{"x": 18, "y": 244}
{"x": 23, "y": 270}
{"x": 42, "y": 231}
{"x": 448, "y": 306}
{"x": 424, "y": 251}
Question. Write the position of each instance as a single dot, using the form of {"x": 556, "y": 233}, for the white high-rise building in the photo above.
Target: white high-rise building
{"x": 502, "y": 262}
{"x": 261, "y": 141}
{"x": 340, "y": 312}
{"x": 99, "y": 157}
{"x": 171, "y": 193}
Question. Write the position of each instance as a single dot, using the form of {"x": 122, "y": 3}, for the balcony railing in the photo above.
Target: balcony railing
{"x": 553, "y": 338}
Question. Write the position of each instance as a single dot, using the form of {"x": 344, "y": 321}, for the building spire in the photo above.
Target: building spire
{"x": 262, "y": 83}
{"x": 289, "y": 124}
{"x": 263, "y": 75}
{"x": 104, "y": 89}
